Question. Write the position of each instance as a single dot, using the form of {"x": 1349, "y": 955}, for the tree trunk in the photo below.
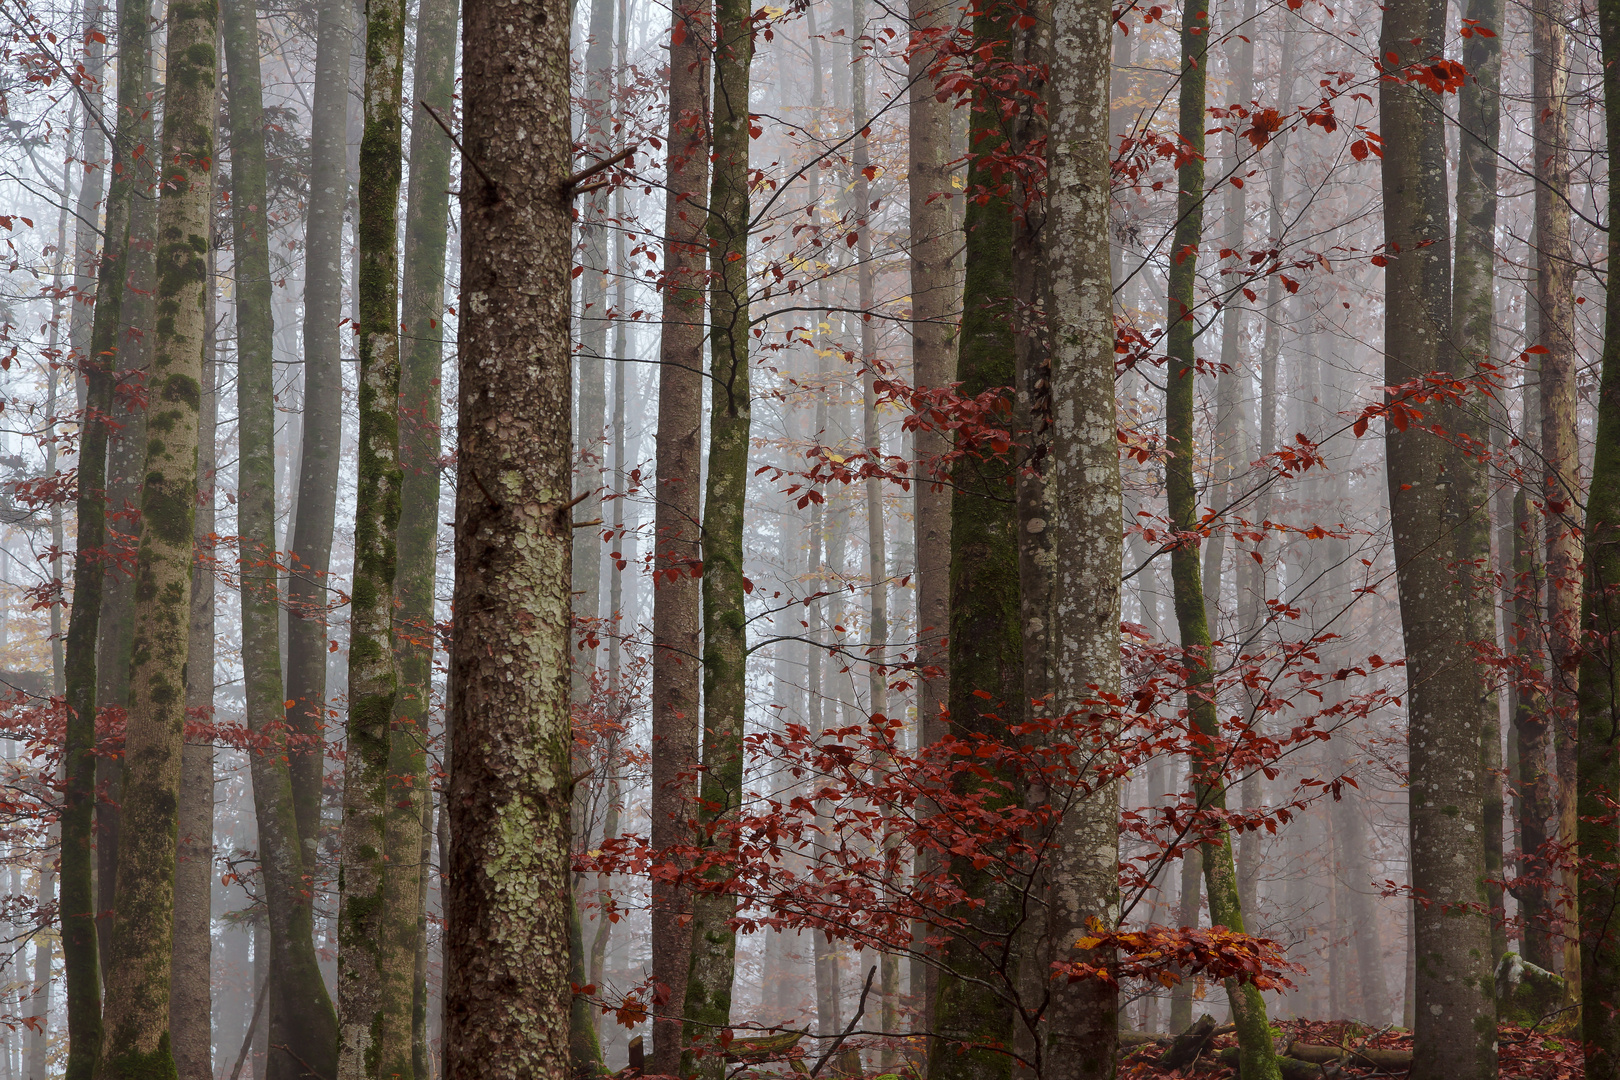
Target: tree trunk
{"x": 427, "y": 216}
{"x": 1220, "y": 876}
{"x": 136, "y": 1044}
{"x": 506, "y": 939}
{"x": 191, "y": 992}
{"x": 300, "y": 1024}
{"x": 311, "y": 547}
{"x": 676, "y": 554}
{"x": 380, "y": 838}
{"x": 1530, "y": 736}
{"x": 80, "y": 948}
{"x": 973, "y": 1015}
{"x": 725, "y": 647}
{"x": 1473, "y": 314}
{"x": 1431, "y": 489}
{"x": 1085, "y": 502}
{"x": 1560, "y": 450}
{"x": 933, "y": 366}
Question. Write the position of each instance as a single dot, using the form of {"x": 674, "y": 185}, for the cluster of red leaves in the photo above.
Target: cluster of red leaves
{"x": 1168, "y": 956}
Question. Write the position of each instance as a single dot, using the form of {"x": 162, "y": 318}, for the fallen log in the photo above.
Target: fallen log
{"x": 1291, "y": 1068}
{"x": 1189, "y": 1044}
{"x": 1368, "y": 1057}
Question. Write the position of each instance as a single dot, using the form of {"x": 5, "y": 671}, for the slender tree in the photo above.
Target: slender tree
{"x": 380, "y": 838}
{"x": 506, "y": 939}
{"x": 1430, "y": 485}
{"x": 1220, "y": 874}
{"x": 676, "y": 557}
{"x": 1085, "y": 499}
{"x": 137, "y": 1045}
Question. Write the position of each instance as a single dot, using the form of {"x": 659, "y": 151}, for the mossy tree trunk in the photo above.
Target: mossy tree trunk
{"x": 507, "y": 996}
{"x": 375, "y": 961}
{"x": 1435, "y": 491}
{"x": 427, "y": 216}
{"x": 94, "y": 342}
{"x": 712, "y": 967}
{"x": 136, "y": 1042}
{"x": 310, "y": 551}
{"x": 1599, "y": 742}
{"x": 676, "y": 597}
{"x": 301, "y": 1023}
{"x": 1084, "y": 495}
{"x": 1181, "y": 376}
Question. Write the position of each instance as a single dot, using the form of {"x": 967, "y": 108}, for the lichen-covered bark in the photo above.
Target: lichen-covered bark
{"x": 1429, "y": 492}
{"x": 95, "y": 352}
{"x": 506, "y": 939}
{"x": 712, "y": 966}
{"x": 1559, "y": 447}
{"x": 136, "y": 1041}
{"x": 676, "y": 599}
{"x": 1473, "y": 310}
{"x": 191, "y": 989}
{"x": 427, "y": 216}
{"x": 1085, "y": 500}
{"x": 301, "y": 1024}
{"x": 311, "y": 544}
{"x": 374, "y": 964}
{"x": 1220, "y": 875}
{"x": 1598, "y": 764}
{"x": 975, "y": 1025}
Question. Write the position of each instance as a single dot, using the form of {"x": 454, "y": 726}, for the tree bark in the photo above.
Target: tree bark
{"x": 1560, "y": 450}
{"x": 311, "y": 547}
{"x": 712, "y": 968}
{"x": 301, "y": 1024}
{"x": 136, "y": 1043}
{"x": 191, "y": 992}
{"x": 676, "y": 553}
{"x": 1087, "y": 545}
{"x": 1598, "y": 775}
{"x": 506, "y": 940}
{"x": 1530, "y": 732}
{"x": 1430, "y": 492}
{"x": 380, "y": 838}
{"x": 1225, "y": 908}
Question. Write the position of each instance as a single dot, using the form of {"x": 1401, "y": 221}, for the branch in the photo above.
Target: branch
{"x": 569, "y": 185}
{"x": 455, "y": 142}
{"x": 859, "y": 1009}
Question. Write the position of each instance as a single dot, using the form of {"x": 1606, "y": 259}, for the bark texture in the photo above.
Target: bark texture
{"x": 506, "y": 941}
{"x": 1430, "y": 491}
{"x": 136, "y": 1041}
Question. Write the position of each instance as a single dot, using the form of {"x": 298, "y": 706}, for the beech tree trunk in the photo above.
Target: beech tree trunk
{"x": 676, "y": 552}
{"x": 301, "y": 1024}
{"x": 725, "y": 642}
{"x": 1220, "y": 876}
{"x": 136, "y": 1044}
{"x": 308, "y": 595}
{"x": 1431, "y": 490}
{"x": 380, "y": 837}
{"x": 1084, "y": 496}
{"x": 506, "y": 939}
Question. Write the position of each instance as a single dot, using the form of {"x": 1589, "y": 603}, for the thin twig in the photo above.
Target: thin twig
{"x": 477, "y": 168}
{"x": 859, "y": 1009}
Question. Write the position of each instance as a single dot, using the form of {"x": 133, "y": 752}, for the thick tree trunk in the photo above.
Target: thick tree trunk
{"x": 1085, "y": 500}
{"x": 506, "y": 940}
{"x": 136, "y": 1044}
{"x": 1220, "y": 876}
{"x": 301, "y": 1024}
{"x": 676, "y": 551}
{"x": 380, "y": 838}
{"x": 1432, "y": 493}
{"x": 1598, "y": 763}
{"x": 1560, "y": 450}
{"x": 725, "y": 646}
{"x": 79, "y": 904}
{"x": 311, "y": 548}
{"x": 191, "y": 991}
{"x": 427, "y": 216}
{"x": 933, "y": 365}
{"x": 1473, "y": 311}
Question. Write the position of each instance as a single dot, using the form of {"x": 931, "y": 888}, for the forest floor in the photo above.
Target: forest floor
{"x": 1524, "y": 1054}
